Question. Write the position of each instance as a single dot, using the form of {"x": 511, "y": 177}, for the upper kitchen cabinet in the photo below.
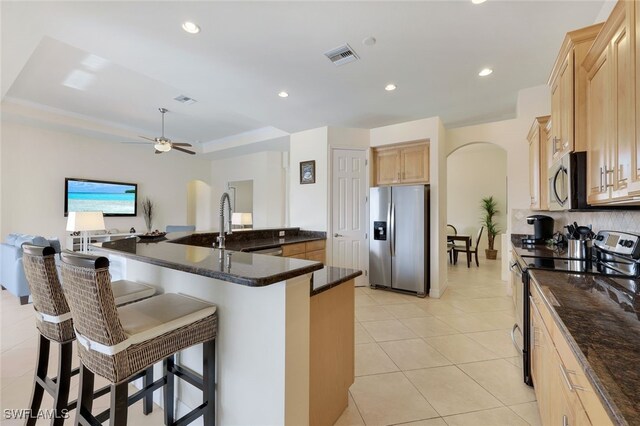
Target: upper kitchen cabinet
{"x": 539, "y": 163}
{"x": 634, "y": 185}
{"x": 611, "y": 112}
{"x": 568, "y": 97}
{"x": 400, "y": 164}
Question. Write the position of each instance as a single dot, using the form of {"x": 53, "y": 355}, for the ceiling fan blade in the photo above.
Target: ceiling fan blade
{"x": 184, "y": 150}
{"x": 149, "y": 139}
{"x": 180, "y": 144}
{"x": 159, "y": 152}
{"x": 136, "y": 142}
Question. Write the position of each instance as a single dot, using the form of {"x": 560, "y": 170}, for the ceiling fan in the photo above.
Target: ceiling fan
{"x": 163, "y": 144}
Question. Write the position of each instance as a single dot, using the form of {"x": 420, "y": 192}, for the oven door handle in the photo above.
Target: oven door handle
{"x": 513, "y": 338}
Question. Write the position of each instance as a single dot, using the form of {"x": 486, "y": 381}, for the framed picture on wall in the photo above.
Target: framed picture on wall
{"x": 308, "y": 172}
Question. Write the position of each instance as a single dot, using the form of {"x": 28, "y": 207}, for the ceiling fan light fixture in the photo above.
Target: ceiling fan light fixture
{"x": 190, "y": 27}
{"x": 485, "y": 72}
{"x": 283, "y": 94}
{"x": 162, "y": 146}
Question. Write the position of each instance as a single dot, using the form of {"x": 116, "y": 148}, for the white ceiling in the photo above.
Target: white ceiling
{"x": 140, "y": 59}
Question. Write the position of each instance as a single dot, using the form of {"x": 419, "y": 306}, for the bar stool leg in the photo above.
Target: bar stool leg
{"x": 63, "y": 382}
{"x": 147, "y": 405}
{"x": 85, "y": 397}
{"x": 209, "y": 381}
{"x": 41, "y": 373}
{"x": 119, "y": 404}
{"x": 168, "y": 364}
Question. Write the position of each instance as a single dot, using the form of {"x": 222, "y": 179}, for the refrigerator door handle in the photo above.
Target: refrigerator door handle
{"x": 390, "y": 228}
{"x": 392, "y": 237}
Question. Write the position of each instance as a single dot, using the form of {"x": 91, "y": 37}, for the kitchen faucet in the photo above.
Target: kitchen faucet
{"x": 225, "y": 197}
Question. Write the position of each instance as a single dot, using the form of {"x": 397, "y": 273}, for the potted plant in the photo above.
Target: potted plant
{"x": 148, "y": 211}
{"x": 489, "y": 210}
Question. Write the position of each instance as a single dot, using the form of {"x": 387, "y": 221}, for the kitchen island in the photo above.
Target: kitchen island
{"x": 276, "y": 345}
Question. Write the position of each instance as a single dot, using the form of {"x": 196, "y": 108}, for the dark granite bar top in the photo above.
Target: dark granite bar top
{"x": 330, "y": 276}
{"x": 233, "y": 266}
{"x": 600, "y": 318}
{"x": 249, "y": 240}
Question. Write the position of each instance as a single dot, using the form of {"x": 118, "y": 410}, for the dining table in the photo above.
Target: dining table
{"x": 451, "y": 243}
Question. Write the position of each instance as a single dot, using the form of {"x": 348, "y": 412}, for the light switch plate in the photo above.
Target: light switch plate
{"x": 281, "y": 234}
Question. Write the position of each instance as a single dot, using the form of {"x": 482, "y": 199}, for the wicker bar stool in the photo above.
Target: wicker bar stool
{"x": 118, "y": 343}
{"x": 54, "y": 323}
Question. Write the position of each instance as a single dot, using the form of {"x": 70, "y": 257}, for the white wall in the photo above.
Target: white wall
{"x": 469, "y": 179}
{"x": 308, "y": 203}
{"x": 432, "y": 129}
{"x": 36, "y": 160}
{"x": 268, "y": 175}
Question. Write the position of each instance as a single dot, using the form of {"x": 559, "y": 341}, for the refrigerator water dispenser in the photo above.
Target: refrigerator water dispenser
{"x": 380, "y": 231}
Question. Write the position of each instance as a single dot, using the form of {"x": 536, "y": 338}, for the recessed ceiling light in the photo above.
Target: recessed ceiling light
{"x": 190, "y": 27}
{"x": 477, "y": 1}
{"x": 369, "y": 41}
{"x": 283, "y": 94}
{"x": 390, "y": 87}
{"x": 485, "y": 72}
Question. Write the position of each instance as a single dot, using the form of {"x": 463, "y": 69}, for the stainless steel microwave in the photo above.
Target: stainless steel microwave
{"x": 568, "y": 182}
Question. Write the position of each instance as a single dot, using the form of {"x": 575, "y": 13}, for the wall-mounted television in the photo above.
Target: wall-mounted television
{"x": 111, "y": 198}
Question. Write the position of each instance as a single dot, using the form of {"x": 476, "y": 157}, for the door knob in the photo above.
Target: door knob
{"x": 337, "y": 235}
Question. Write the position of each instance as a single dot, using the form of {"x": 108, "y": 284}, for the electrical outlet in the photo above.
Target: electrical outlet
{"x": 281, "y": 234}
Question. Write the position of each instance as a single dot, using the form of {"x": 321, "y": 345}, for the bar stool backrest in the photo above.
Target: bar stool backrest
{"x": 46, "y": 293}
{"x": 87, "y": 285}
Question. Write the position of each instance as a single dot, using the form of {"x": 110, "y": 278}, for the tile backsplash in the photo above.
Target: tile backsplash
{"x": 615, "y": 220}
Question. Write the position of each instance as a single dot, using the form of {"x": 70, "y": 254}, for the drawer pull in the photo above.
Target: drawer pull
{"x": 565, "y": 376}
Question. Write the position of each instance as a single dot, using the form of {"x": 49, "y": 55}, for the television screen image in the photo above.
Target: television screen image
{"x": 111, "y": 198}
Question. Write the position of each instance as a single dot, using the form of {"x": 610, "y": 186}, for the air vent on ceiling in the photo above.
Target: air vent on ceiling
{"x": 185, "y": 100}
{"x": 342, "y": 55}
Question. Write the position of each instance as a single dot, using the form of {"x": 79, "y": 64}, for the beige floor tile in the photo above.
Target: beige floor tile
{"x": 350, "y": 416}
{"x": 413, "y": 354}
{"x": 483, "y": 305}
{"x": 385, "y": 297}
{"x": 383, "y": 331}
{"x": 16, "y": 333}
{"x": 372, "y": 313}
{"x": 450, "y": 391}
{"x": 495, "y": 417}
{"x": 386, "y": 399}
{"x": 428, "y": 326}
{"x": 438, "y": 307}
{"x": 364, "y": 300}
{"x": 431, "y": 422}
{"x": 16, "y": 362}
{"x": 497, "y": 341}
{"x": 502, "y": 379}
{"x": 466, "y": 323}
{"x": 516, "y": 360}
{"x": 406, "y": 310}
{"x": 371, "y": 359}
{"x": 529, "y": 412}
{"x": 361, "y": 335}
{"x": 458, "y": 348}
{"x": 498, "y": 320}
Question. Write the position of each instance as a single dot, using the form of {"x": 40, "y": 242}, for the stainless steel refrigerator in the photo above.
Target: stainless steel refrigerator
{"x": 399, "y": 243}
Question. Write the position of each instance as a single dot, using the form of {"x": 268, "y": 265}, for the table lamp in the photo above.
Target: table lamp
{"x": 242, "y": 219}
{"x": 84, "y": 222}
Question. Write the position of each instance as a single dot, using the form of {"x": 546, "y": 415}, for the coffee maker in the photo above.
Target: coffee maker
{"x": 542, "y": 229}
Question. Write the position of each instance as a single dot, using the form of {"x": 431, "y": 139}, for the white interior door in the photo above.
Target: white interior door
{"x": 349, "y": 211}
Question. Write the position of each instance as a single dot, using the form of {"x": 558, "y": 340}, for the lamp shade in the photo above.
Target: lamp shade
{"x": 241, "y": 219}
{"x": 85, "y": 221}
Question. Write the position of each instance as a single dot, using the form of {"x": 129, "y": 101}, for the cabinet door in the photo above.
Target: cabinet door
{"x": 598, "y": 129}
{"x": 622, "y": 89}
{"x": 555, "y": 137}
{"x": 566, "y": 105}
{"x": 414, "y": 163}
{"x": 387, "y": 164}
{"x": 534, "y": 170}
{"x": 634, "y": 186}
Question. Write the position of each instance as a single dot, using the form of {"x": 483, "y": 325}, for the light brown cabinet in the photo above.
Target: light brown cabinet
{"x": 310, "y": 250}
{"x": 401, "y": 164}
{"x": 564, "y": 394}
{"x": 568, "y": 93}
{"x": 611, "y": 133}
{"x": 634, "y": 185}
{"x": 538, "y": 164}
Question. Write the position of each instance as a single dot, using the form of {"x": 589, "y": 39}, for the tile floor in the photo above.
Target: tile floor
{"x": 420, "y": 362}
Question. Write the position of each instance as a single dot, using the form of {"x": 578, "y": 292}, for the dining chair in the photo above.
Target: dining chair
{"x": 469, "y": 249}
{"x": 451, "y": 230}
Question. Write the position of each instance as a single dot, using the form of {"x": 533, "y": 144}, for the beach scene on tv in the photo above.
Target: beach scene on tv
{"x": 109, "y": 198}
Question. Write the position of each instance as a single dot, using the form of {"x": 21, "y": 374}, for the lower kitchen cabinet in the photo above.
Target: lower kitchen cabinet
{"x": 311, "y": 250}
{"x": 564, "y": 395}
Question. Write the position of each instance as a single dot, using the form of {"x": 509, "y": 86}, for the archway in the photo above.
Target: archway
{"x": 474, "y": 171}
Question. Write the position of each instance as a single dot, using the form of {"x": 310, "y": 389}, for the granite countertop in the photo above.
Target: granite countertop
{"x": 600, "y": 318}
{"x": 537, "y": 250}
{"x": 330, "y": 276}
{"x": 249, "y": 240}
{"x": 248, "y": 269}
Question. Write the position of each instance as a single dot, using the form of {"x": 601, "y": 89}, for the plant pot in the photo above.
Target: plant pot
{"x": 491, "y": 254}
